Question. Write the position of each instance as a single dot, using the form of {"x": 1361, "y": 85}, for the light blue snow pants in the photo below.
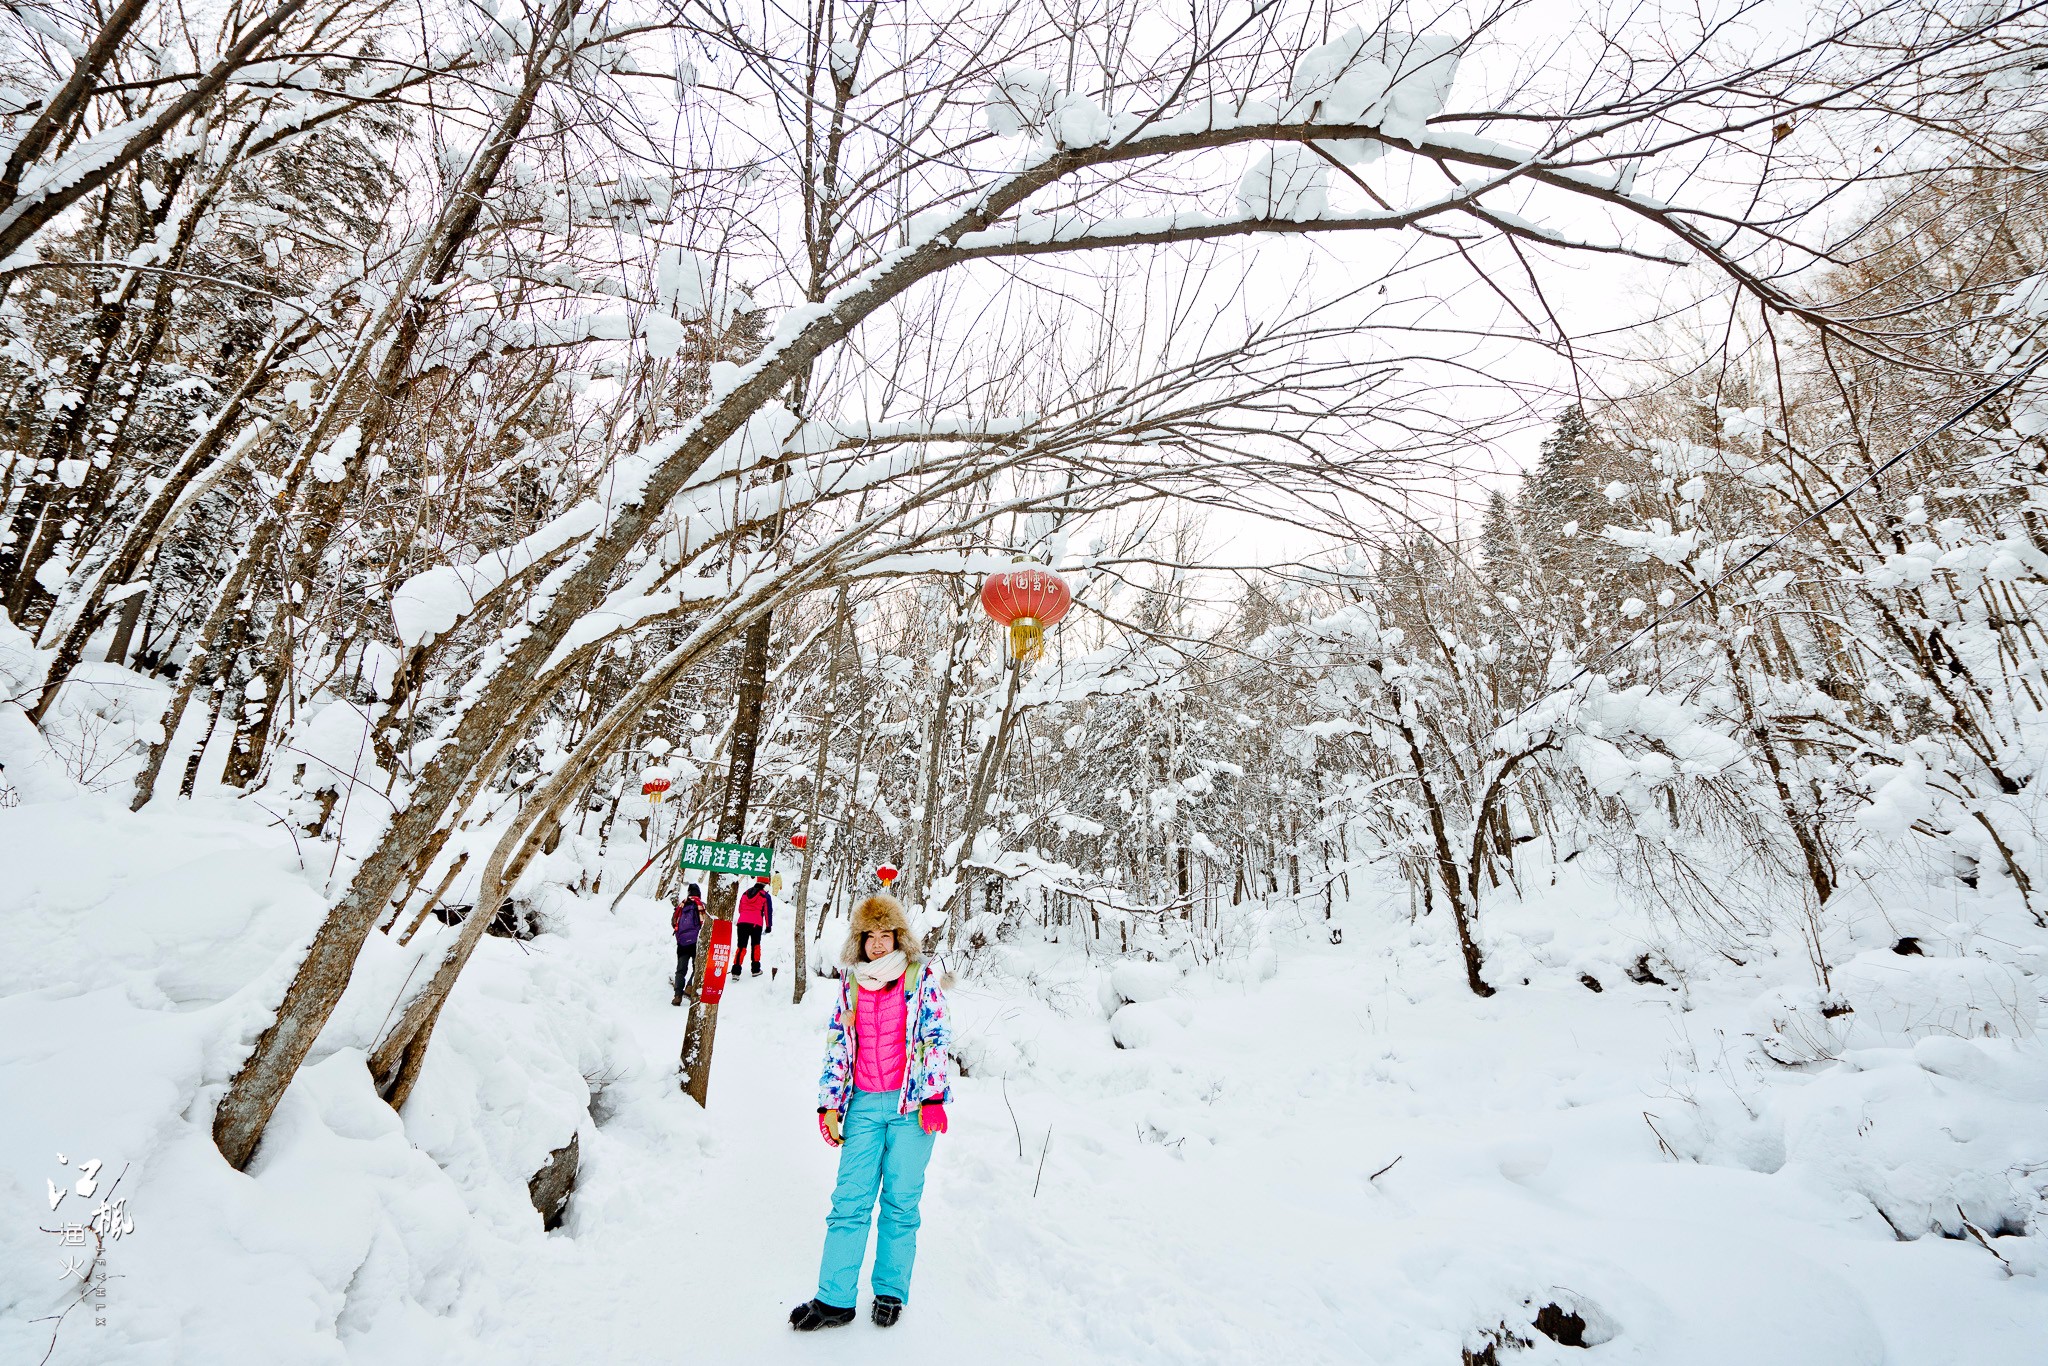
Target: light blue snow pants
{"x": 884, "y": 1154}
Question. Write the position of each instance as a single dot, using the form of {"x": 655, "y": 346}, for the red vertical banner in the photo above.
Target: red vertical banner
{"x": 716, "y": 962}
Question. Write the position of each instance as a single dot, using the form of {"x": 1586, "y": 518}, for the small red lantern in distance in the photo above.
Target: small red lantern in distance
{"x": 798, "y": 841}
{"x": 887, "y": 872}
{"x": 1027, "y": 600}
{"x": 654, "y": 782}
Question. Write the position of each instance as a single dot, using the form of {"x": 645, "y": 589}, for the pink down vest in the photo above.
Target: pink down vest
{"x": 878, "y": 1058}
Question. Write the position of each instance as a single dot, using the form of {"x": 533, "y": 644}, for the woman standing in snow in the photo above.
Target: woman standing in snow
{"x": 881, "y": 1102}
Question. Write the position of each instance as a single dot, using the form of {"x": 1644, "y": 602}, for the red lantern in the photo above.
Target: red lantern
{"x": 1027, "y": 600}
{"x": 887, "y": 872}
{"x": 798, "y": 841}
{"x": 654, "y": 782}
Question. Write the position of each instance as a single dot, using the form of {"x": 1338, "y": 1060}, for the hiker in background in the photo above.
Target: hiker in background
{"x": 882, "y": 1103}
{"x": 687, "y": 922}
{"x": 756, "y": 917}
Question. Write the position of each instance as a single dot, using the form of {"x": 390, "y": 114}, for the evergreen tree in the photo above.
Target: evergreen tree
{"x": 1564, "y": 490}
{"x": 1501, "y": 558}
{"x": 1578, "y": 576}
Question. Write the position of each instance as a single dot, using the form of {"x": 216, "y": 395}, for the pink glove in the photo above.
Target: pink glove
{"x": 932, "y": 1116}
{"x": 828, "y": 1125}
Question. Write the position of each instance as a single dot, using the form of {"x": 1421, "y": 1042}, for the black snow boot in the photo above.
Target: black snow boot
{"x": 812, "y": 1315}
{"x": 888, "y": 1309}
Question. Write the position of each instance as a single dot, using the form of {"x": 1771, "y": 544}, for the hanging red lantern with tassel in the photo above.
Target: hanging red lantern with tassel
{"x": 798, "y": 841}
{"x": 1027, "y": 600}
{"x": 887, "y": 872}
{"x": 654, "y": 782}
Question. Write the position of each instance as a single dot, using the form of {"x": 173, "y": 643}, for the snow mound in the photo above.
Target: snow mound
{"x": 1938, "y": 1138}
{"x": 1021, "y": 100}
{"x": 1148, "y": 1024}
{"x": 139, "y": 955}
{"x": 1140, "y": 982}
{"x": 1259, "y": 964}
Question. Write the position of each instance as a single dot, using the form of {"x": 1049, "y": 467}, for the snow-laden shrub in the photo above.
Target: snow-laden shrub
{"x": 1883, "y": 999}
{"x": 1798, "y": 1025}
{"x": 103, "y": 723}
{"x": 1899, "y": 999}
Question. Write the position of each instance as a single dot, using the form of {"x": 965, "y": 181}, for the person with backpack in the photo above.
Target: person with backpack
{"x": 687, "y": 922}
{"x": 882, "y": 1103}
{"x": 756, "y": 917}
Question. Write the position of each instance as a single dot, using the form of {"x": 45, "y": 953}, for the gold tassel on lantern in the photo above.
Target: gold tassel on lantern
{"x": 1027, "y": 640}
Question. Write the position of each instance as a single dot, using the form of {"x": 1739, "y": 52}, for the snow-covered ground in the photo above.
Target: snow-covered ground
{"x": 1341, "y": 1155}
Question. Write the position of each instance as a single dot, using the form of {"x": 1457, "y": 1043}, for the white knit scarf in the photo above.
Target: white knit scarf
{"x": 878, "y": 974}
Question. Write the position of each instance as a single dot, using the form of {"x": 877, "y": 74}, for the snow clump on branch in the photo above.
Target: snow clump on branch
{"x": 1396, "y": 82}
{"x": 1025, "y": 101}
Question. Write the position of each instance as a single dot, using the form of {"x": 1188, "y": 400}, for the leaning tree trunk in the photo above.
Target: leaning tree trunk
{"x": 701, "y": 1034}
{"x": 1447, "y": 866}
{"x": 327, "y": 500}
{"x": 205, "y": 664}
{"x": 397, "y": 1057}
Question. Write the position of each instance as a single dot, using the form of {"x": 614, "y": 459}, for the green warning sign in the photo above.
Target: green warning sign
{"x": 716, "y": 857}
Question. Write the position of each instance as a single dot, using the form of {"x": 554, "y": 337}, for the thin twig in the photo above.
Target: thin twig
{"x": 1013, "y": 1117}
{"x": 289, "y": 829}
{"x": 1384, "y": 1170}
{"x": 400, "y": 994}
{"x": 1669, "y": 1151}
{"x": 1041, "y": 1161}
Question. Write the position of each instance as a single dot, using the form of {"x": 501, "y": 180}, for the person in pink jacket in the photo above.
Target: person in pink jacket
{"x": 882, "y": 1103}
{"x": 755, "y": 918}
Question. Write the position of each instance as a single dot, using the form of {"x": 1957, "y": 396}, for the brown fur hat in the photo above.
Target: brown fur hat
{"x": 879, "y": 912}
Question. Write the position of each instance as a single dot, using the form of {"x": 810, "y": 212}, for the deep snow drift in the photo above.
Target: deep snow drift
{"x": 1207, "y": 1192}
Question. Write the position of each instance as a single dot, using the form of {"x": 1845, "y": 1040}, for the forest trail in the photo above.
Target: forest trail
{"x": 1344, "y": 1157}
{"x": 1211, "y": 1199}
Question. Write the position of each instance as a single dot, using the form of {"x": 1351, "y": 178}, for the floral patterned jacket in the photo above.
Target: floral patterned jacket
{"x": 928, "y": 1031}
